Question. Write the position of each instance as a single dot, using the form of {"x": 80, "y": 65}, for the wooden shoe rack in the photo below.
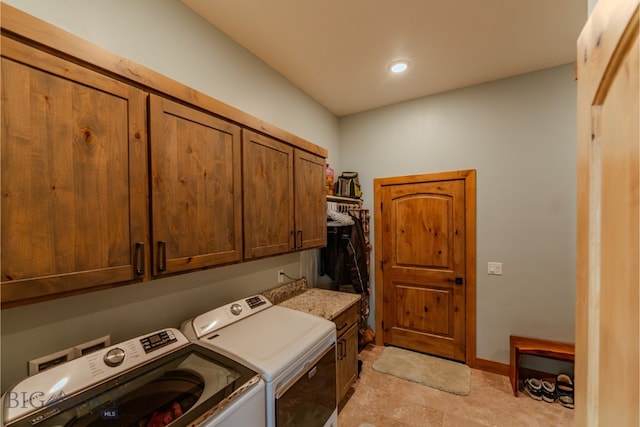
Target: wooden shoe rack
{"x": 536, "y": 347}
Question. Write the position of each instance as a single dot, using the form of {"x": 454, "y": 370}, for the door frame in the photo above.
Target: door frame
{"x": 469, "y": 177}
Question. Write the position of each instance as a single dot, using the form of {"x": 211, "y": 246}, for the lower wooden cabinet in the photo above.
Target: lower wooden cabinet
{"x": 347, "y": 348}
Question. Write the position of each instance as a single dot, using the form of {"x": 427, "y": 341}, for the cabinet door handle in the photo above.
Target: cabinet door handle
{"x": 162, "y": 255}
{"x": 139, "y": 259}
{"x": 339, "y": 349}
{"x": 341, "y": 327}
{"x": 293, "y": 239}
{"x": 344, "y": 349}
{"x": 299, "y": 238}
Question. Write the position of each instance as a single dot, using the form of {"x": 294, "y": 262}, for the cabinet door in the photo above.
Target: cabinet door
{"x": 310, "y": 201}
{"x": 268, "y": 196}
{"x": 196, "y": 188}
{"x": 73, "y": 177}
{"x": 347, "y": 360}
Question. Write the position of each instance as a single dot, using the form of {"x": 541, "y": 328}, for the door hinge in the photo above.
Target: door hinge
{"x": 382, "y": 265}
{"x": 383, "y": 325}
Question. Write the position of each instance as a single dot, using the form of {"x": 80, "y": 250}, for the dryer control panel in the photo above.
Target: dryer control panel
{"x": 225, "y": 315}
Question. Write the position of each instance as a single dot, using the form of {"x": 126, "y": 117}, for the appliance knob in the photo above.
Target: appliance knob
{"x": 236, "y": 309}
{"x": 114, "y": 357}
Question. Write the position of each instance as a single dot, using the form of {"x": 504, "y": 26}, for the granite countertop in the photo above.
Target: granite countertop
{"x": 321, "y": 302}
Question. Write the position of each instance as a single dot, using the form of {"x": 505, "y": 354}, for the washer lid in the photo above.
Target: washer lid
{"x": 273, "y": 339}
{"x": 187, "y": 381}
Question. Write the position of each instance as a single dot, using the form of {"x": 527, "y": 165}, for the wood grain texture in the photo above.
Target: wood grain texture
{"x": 347, "y": 348}
{"x": 73, "y": 176}
{"x": 31, "y": 30}
{"x": 268, "y": 196}
{"x": 310, "y": 200}
{"x": 347, "y": 360}
{"x": 196, "y": 187}
{"x": 409, "y": 275}
{"x": 424, "y": 254}
{"x": 77, "y": 204}
{"x": 492, "y": 366}
{"x": 608, "y": 240}
{"x": 536, "y": 347}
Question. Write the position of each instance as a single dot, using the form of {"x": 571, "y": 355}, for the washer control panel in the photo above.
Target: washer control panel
{"x": 160, "y": 339}
{"x": 114, "y": 357}
{"x": 236, "y": 309}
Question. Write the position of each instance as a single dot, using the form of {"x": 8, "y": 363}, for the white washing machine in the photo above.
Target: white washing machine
{"x": 155, "y": 380}
{"x": 294, "y": 352}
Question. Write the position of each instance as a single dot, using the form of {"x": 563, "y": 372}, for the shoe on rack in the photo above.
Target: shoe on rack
{"x": 564, "y": 390}
{"x": 533, "y": 387}
{"x": 548, "y": 391}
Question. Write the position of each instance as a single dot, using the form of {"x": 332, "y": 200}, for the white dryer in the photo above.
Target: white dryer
{"x": 155, "y": 380}
{"x": 294, "y": 352}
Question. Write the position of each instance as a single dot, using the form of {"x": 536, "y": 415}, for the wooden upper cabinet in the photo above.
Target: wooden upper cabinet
{"x": 268, "y": 196}
{"x": 74, "y": 177}
{"x": 196, "y": 193}
{"x": 112, "y": 173}
{"x": 284, "y": 197}
{"x": 310, "y": 200}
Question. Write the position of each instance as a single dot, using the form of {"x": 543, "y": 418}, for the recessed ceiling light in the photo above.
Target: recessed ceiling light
{"x": 399, "y": 66}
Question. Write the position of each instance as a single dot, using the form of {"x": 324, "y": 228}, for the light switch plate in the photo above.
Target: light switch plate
{"x": 494, "y": 268}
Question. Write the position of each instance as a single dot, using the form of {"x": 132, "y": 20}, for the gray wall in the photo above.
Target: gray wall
{"x": 167, "y": 37}
{"x": 519, "y": 134}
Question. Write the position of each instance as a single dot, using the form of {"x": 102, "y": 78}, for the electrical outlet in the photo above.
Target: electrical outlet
{"x": 280, "y": 276}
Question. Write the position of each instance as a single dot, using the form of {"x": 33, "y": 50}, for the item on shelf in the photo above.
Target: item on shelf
{"x": 348, "y": 185}
{"x": 548, "y": 391}
{"x": 533, "y": 387}
{"x": 330, "y": 177}
{"x": 564, "y": 390}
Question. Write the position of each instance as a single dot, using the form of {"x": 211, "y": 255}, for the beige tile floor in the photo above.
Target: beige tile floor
{"x": 382, "y": 400}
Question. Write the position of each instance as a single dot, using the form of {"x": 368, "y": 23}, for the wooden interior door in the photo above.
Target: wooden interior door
{"x": 196, "y": 188}
{"x": 423, "y": 265}
{"x": 607, "y": 297}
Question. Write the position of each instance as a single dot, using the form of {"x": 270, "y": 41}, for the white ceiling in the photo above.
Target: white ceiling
{"x": 337, "y": 50}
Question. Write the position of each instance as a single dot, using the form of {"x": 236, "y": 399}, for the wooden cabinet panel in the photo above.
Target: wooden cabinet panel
{"x": 284, "y": 197}
{"x": 310, "y": 201}
{"x": 195, "y": 188}
{"x": 347, "y": 348}
{"x": 73, "y": 177}
{"x": 77, "y": 195}
{"x": 268, "y": 196}
{"x": 347, "y": 365}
